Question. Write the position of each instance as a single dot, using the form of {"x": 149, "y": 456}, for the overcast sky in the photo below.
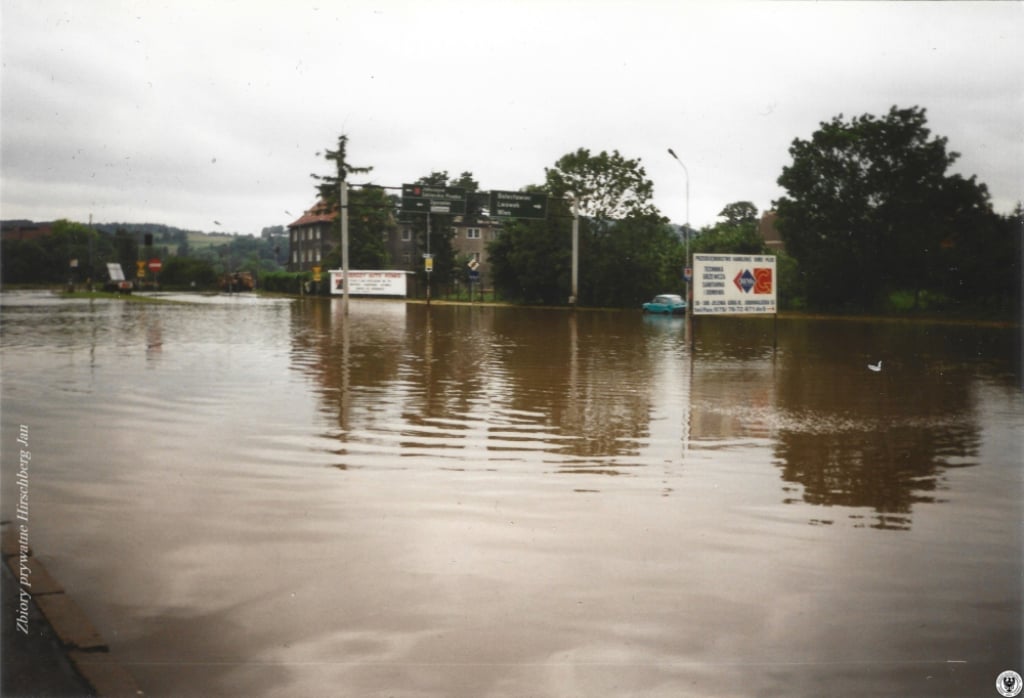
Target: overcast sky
{"x": 210, "y": 115}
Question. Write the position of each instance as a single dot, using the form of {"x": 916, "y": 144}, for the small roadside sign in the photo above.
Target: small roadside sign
{"x": 155, "y": 265}
{"x": 140, "y": 269}
{"x": 428, "y": 264}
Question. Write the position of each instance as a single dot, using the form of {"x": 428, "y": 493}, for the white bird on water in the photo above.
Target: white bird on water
{"x": 875, "y": 367}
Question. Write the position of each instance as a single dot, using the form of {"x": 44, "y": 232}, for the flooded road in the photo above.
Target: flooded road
{"x": 268, "y": 498}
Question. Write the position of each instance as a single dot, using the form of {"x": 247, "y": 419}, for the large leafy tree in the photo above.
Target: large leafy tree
{"x": 627, "y": 252}
{"x": 737, "y": 234}
{"x": 868, "y": 206}
{"x": 531, "y": 260}
{"x": 607, "y": 186}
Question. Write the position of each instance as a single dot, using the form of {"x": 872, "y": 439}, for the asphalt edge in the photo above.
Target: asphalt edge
{"x": 81, "y": 643}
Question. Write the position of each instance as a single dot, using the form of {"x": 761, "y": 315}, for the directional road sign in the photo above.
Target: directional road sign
{"x": 517, "y": 204}
{"x": 417, "y": 198}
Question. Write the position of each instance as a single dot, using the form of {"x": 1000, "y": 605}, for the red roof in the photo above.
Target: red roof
{"x": 320, "y": 213}
{"x": 25, "y": 230}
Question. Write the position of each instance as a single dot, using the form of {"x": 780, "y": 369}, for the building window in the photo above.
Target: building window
{"x": 406, "y": 234}
{"x": 472, "y": 233}
{"x": 406, "y": 258}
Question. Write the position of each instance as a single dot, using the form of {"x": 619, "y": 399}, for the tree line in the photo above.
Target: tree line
{"x": 78, "y": 253}
{"x": 871, "y": 218}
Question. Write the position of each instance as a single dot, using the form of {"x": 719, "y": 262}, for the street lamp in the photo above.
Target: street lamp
{"x": 686, "y": 231}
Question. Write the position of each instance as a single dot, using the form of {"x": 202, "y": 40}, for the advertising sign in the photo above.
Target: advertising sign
{"x": 370, "y": 283}
{"x": 115, "y": 271}
{"x": 734, "y": 284}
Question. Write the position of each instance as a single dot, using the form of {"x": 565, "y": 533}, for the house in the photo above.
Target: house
{"x": 313, "y": 236}
{"x": 24, "y": 230}
{"x": 310, "y": 238}
{"x": 472, "y": 234}
{"x": 770, "y": 233}
{"x": 403, "y": 249}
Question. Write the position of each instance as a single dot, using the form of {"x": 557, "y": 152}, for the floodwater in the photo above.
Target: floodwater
{"x": 256, "y": 497}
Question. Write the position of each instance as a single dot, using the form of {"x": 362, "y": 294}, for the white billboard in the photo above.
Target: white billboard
{"x": 115, "y": 271}
{"x": 734, "y": 284}
{"x": 370, "y": 283}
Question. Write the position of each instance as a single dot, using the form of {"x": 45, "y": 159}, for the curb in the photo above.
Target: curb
{"x": 79, "y": 640}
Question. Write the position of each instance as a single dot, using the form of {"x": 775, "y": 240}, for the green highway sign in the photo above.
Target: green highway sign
{"x": 517, "y": 204}
{"x": 419, "y": 198}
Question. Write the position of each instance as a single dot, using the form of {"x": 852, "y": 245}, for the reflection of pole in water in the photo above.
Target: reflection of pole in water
{"x": 344, "y": 243}
{"x": 574, "y": 367}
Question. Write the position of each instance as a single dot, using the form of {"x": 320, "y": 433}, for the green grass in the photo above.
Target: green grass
{"x": 198, "y": 241}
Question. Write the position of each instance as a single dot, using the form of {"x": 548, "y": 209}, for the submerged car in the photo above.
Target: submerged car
{"x": 666, "y": 304}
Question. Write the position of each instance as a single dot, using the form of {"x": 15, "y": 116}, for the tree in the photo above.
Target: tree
{"x": 739, "y": 213}
{"x": 531, "y": 261}
{"x": 626, "y": 250}
{"x": 188, "y": 272}
{"x": 607, "y": 187}
{"x": 369, "y": 211}
{"x": 737, "y": 234}
{"x": 867, "y": 206}
{"x": 328, "y": 184}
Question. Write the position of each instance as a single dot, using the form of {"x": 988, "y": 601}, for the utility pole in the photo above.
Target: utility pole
{"x": 344, "y": 243}
{"x": 574, "y": 299}
{"x": 430, "y": 260}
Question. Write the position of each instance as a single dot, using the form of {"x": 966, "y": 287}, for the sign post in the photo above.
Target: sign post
{"x": 421, "y": 198}
{"x": 735, "y": 284}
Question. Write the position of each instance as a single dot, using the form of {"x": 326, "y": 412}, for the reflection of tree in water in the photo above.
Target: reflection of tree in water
{"x": 589, "y": 375}
{"x": 572, "y": 390}
{"x": 877, "y": 441}
{"x": 887, "y": 471}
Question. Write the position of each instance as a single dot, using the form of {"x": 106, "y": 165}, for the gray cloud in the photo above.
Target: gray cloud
{"x": 186, "y": 113}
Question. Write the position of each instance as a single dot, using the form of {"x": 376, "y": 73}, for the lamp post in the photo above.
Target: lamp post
{"x": 686, "y": 231}
{"x": 574, "y": 298}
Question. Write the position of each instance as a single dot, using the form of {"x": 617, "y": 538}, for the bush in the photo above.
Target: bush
{"x": 284, "y": 281}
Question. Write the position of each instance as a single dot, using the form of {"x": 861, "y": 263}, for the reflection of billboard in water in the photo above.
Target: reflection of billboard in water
{"x": 733, "y": 284}
{"x": 370, "y": 283}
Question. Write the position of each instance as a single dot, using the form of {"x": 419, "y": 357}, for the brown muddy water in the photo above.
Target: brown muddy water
{"x": 255, "y": 497}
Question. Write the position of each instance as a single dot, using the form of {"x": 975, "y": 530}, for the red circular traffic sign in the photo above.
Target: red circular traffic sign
{"x": 155, "y": 265}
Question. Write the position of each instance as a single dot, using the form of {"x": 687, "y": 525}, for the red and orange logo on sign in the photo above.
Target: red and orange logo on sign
{"x": 758, "y": 280}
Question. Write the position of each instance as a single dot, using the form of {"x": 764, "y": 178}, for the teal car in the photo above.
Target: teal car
{"x": 666, "y": 304}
